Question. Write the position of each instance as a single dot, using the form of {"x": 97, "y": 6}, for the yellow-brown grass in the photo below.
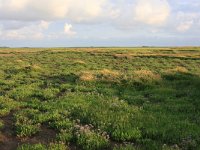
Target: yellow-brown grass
{"x": 19, "y": 61}
{"x": 79, "y": 62}
{"x": 177, "y": 69}
{"x": 87, "y": 76}
{"x": 177, "y": 55}
{"x": 36, "y": 67}
{"x": 127, "y": 56}
{"x": 146, "y": 75}
{"x": 109, "y": 74}
{"x": 6, "y": 55}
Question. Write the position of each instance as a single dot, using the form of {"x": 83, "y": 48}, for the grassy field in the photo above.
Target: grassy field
{"x": 100, "y": 98}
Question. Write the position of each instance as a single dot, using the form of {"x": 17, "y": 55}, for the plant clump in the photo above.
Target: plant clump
{"x": 87, "y": 76}
{"x": 89, "y": 139}
{"x": 145, "y": 76}
{"x": 177, "y": 69}
{"x": 109, "y": 75}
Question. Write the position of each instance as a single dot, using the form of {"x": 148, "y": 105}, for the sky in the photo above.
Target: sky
{"x": 85, "y": 23}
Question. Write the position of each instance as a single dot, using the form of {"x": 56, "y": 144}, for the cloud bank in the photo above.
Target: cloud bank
{"x": 44, "y": 19}
{"x": 152, "y": 12}
{"x": 31, "y": 10}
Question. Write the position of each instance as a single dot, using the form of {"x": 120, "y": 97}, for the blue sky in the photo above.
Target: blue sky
{"x": 68, "y": 23}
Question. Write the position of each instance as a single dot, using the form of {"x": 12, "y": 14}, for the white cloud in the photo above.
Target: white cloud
{"x": 184, "y": 26}
{"x": 9, "y": 25}
{"x": 68, "y": 30}
{"x": 32, "y": 10}
{"x": 152, "y": 12}
{"x": 22, "y": 35}
{"x": 186, "y": 20}
{"x": 34, "y": 31}
{"x": 28, "y": 19}
{"x": 75, "y": 10}
{"x": 187, "y": 15}
{"x": 44, "y": 25}
{"x": 86, "y": 10}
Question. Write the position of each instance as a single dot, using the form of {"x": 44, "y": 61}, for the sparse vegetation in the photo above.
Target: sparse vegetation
{"x": 1, "y": 125}
{"x": 86, "y": 76}
{"x": 100, "y": 98}
{"x": 51, "y": 146}
{"x": 87, "y": 139}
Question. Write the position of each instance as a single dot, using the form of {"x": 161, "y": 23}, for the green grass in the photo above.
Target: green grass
{"x": 1, "y": 125}
{"x": 86, "y": 139}
{"x": 25, "y": 122}
{"x": 103, "y": 98}
{"x": 125, "y": 147}
{"x": 51, "y": 146}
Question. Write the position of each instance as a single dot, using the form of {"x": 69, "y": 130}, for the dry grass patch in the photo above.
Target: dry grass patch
{"x": 109, "y": 74}
{"x": 87, "y": 76}
{"x": 19, "y": 61}
{"x": 104, "y": 74}
{"x": 146, "y": 75}
{"x": 36, "y": 67}
{"x": 6, "y": 55}
{"x": 177, "y": 69}
{"x": 79, "y": 62}
{"x": 176, "y": 55}
{"x": 121, "y": 56}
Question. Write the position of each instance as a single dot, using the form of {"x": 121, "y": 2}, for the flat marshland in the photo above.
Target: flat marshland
{"x": 100, "y": 98}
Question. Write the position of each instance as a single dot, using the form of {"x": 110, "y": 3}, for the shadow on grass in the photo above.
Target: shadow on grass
{"x": 60, "y": 79}
{"x": 170, "y": 57}
{"x": 170, "y": 108}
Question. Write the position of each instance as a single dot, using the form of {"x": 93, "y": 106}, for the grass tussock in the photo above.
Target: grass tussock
{"x": 107, "y": 74}
{"x": 176, "y": 55}
{"x": 36, "y": 67}
{"x": 80, "y": 62}
{"x": 121, "y": 56}
{"x": 178, "y": 69}
{"x": 146, "y": 75}
{"x": 87, "y": 76}
{"x": 104, "y": 74}
{"x": 19, "y": 61}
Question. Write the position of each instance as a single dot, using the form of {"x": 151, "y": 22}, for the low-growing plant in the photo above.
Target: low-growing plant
{"x": 23, "y": 92}
{"x": 146, "y": 96}
{"x": 65, "y": 136}
{"x": 88, "y": 139}
{"x": 25, "y": 124}
{"x": 126, "y": 134}
{"x": 57, "y": 146}
{"x": 51, "y": 146}
{"x": 26, "y": 129}
{"x": 32, "y": 147}
{"x": 125, "y": 147}
{"x": 6, "y": 105}
{"x": 1, "y": 124}
{"x": 61, "y": 124}
{"x": 47, "y": 93}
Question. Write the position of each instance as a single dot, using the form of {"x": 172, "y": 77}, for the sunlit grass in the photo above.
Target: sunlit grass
{"x": 101, "y": 98}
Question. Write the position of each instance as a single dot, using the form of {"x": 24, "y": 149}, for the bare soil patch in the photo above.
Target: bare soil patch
{"x": 9, "y": 141}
